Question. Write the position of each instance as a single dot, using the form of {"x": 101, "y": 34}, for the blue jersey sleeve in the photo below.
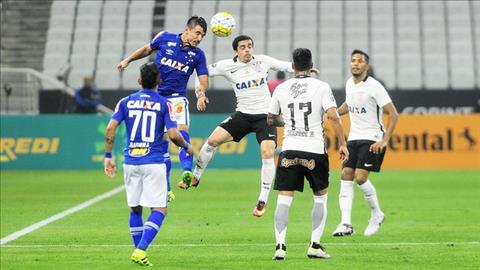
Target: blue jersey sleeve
{"x": 155, "y": 43}
{"x": 169, "y": 117}
{"x": 201, "y": 67}
{"x": 119, "y": 113}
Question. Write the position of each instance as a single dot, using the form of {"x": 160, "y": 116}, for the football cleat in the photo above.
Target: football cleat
{"x": 259, "y": 209}
{"x": 171, "y": 196}
{"x": 374, "y": 224}
{"x": 343, "y": 230}
{"x": 194, "y": 183}
{"x": 317, "y": 251}
{"x": 280, "y": 252}
{"x": 140, "y": 256}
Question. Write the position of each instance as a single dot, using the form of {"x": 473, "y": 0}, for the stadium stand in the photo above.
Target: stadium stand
{"x": 413, "y": 45}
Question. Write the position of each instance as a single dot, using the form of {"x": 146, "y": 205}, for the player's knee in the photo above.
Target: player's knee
{"x": 347, "y": 174}
{"x": 213, "y": 142}
{"x": 267, "y": 154}
{"x": 136, "y": 209}
{"x": 360, "y": 177}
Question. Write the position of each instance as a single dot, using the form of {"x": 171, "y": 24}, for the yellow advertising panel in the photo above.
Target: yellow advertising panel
{"x": 425, "y": 142}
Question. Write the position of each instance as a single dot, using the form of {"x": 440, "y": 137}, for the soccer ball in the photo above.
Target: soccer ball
{"x": 222, "y": 24}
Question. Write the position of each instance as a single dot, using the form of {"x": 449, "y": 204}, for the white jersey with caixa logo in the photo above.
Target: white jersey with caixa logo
{"x": 249, "y": 80}
{"x": 302, "y": 103}
{"x": 365, "y": 101}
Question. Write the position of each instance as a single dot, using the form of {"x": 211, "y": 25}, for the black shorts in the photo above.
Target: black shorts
{"x": 360, "y": 156}
{"x": 240, "y": 124}
{"x": 294, "y": 166}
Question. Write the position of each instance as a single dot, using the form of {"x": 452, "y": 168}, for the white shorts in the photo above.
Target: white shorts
{"x": 180, "y": 107}
{"x": 146, "y": 185}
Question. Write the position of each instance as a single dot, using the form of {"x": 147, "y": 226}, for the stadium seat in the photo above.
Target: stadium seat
{"x": 89, "y": 8}
{"x": 63, "y": 8}
{"x": 61, "y": 21}
{"x": 57, "y": 47}
{"x": 114, "y": 21}
{"x": 59, "y": 34}
{"x": 176, "y": 13}
{"x": 88, "y": 21}
{"x": 108, "y": 79}
{"x": 418, "y": 34}
{"x": 113, "y": 35}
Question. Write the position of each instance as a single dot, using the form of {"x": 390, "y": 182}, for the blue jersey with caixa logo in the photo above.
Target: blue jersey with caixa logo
{"x": 176, "y": 64}
{"x": 146, "y": 115}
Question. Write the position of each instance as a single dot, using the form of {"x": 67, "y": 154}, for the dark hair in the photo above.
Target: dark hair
{"x": 365, "y": 55}
{"x": 196, "y": 20}
{"x": 149, "y": 75}
{"x": 238, "y": 39}
{"x": 280, "y": 75}
{"x": 302, "y": 59}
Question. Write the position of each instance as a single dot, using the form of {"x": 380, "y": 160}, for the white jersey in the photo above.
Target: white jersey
{"x": 249, "y": 80}
{"x": 302, "y": 103}
{"x": 365, "y": 101}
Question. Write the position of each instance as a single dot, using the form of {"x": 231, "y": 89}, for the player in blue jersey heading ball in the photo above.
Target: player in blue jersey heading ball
{"x": 146, "y": 115}
{"x": 177, "y": 56}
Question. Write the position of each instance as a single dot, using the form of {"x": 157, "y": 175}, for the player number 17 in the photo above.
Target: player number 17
{"x": 306, "y": 107}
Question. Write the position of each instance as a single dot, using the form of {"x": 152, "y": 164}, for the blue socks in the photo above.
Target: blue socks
{"x": 167, "y": 161}
{"x": 136, "y": 227}
{"x": 185, "y": 159}
{"x": 150, "y": 229}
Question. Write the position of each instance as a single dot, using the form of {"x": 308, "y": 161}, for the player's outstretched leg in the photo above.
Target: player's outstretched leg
{"x": 345, "y": 200}
{"x": 280, "y": 224}
{"x": 267, "y": 175}
{"x": 204, "y": 156}
{"x": 377, "y": 217}
{"x": 319, "y": 217}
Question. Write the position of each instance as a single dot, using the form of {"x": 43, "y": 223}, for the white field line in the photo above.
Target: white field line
{"x": 245, "y": 245}
{"x": 60, "y": 215}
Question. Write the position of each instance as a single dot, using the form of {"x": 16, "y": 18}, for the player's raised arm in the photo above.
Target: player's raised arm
{"x": 333, "y": 116}
{"x": 276, "y": 64}
{"x": 141, "y": 52}
{"x": 109, "y": 166}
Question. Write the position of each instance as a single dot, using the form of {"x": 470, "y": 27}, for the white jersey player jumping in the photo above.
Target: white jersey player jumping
{"x": 366, "y": 100}
{"x": 299, "y": 104}
{"x": 248, "y": 75}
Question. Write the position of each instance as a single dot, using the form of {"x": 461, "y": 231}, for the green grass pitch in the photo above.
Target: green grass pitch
{"x": 432, "y": 222}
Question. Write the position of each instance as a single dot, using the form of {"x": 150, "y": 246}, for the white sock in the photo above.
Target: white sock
{"x": 319, "y": 217}
{"x": 371, "y": 196}
{"x": 206, "y": 154}
{"x": 268, "y": 173}
{"x": 345, "y": 200}
{"x": 281, "y": 218}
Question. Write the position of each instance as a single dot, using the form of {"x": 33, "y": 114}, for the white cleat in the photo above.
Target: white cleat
{"x": 317, "y": 251}
{"x": 343, "y": 230}
{"x": 374, "y": 224}
{"x": 280, "y": 252}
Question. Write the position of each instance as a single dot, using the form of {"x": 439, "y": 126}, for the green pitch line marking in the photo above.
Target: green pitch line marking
{"x": 60, "y": 215}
